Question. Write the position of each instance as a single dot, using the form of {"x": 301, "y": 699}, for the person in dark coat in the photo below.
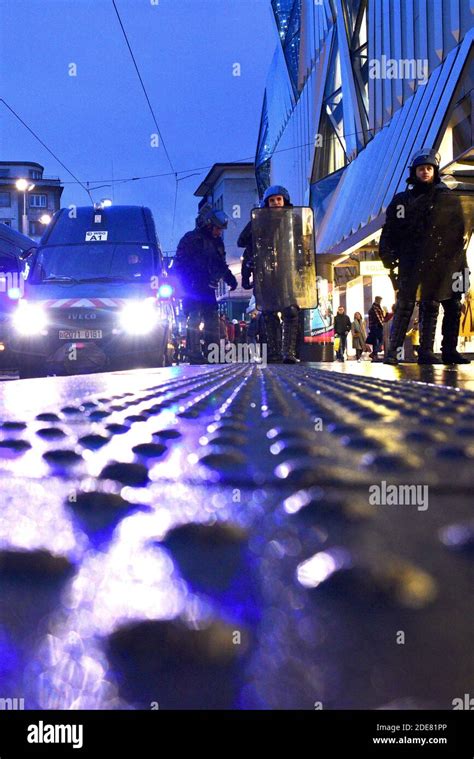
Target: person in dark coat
{"x": 342, "y": 327}
{"x": 282, "y": 337}
{"x": 376, "y": 321}
{"x": 359, "y": 336}
{"x": 200, "y": 264}
{"x": 424, "y": 236}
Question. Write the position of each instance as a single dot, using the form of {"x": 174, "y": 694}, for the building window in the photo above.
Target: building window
{"x": 35, "y": 174}
{"x": 7, "y": 222}
{"x": 38, "y": 201}
{"x": 5, "y": 200}
{"x": 4, "y": 172}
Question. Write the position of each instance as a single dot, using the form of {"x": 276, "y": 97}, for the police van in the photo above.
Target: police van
{"x": 95, "y": 295}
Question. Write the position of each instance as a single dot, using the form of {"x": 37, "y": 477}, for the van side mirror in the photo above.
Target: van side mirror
{"x": 27, "y": 253}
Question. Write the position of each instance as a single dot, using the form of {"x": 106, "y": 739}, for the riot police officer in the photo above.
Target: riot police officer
{"x": 200, "y": 264}
{"x": 281, "y": 336}
{"x": 424, "y": 236}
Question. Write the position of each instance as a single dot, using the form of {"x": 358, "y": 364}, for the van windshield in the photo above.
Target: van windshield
{"x": 127, "y": 262}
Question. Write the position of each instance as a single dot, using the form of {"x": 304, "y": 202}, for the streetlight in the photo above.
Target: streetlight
{"x": 22, "y": 185}
{"x": 106, "y": 203}
{"x": 45, "y": 219}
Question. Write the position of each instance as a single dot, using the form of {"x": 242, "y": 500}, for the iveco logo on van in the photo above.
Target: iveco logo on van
{"x": 74, "y": 317}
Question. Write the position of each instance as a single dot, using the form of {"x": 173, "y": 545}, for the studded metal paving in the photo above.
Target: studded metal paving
{"x": 225, "y": 537}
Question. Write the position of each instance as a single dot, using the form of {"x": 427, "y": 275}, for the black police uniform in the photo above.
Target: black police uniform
{"x": 200, "y": 263}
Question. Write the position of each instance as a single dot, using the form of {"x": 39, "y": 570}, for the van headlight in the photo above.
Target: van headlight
{"x": 139, "y": 317}
{"x": 29, "y": 318}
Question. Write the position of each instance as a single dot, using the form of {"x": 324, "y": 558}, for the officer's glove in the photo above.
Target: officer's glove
{"x": 232, "y": 282}
{"x": 246, "y": 282}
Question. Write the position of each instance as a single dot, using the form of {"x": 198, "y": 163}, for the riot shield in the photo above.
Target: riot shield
{"x": 284, "y": 258}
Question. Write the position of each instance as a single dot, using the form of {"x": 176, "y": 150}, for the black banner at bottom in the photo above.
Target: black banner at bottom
{"x": 146, "y": 734}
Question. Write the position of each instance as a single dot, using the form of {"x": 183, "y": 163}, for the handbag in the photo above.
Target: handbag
{"x": 337, "y": 343}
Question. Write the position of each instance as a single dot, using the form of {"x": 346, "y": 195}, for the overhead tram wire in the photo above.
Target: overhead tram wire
{"x": 208, "y": 166}
{"x": 77, "y": 181}
{"x": 152, "y": 113}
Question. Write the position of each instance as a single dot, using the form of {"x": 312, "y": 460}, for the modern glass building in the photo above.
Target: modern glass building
{"x": 355, "y": 88}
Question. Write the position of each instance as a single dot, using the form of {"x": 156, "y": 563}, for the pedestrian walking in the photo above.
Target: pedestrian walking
{"x": 342, "y": 327}
{"x": 376, "y": 321}
{"x": 359, "y": 335}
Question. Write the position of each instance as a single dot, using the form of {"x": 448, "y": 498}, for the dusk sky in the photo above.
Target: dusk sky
{"x": 98, "y": 122}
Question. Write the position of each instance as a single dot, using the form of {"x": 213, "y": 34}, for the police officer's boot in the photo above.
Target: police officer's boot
{"x": 290, "y": 335}
{"x": 193, "y": 339}
{"x": 428, "y": 318}
{"x": 211, "y": 334}
{"x": 400, "y": 322}
{"x": 272, "y": 326}
{"x": 450, "y": 330}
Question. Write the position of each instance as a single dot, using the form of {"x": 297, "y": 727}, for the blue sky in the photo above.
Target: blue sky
{"x": 98, "y": 122}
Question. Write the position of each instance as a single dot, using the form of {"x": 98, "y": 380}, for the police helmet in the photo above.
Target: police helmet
{"x": 212, "y": 217}
{"x": 276, "y": 189}
{"x": 428, "y": 156}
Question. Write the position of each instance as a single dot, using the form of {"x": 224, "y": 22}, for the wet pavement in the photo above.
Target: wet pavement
{"x": 222, "y": 537}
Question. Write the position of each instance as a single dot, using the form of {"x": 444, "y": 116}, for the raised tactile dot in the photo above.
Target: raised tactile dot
{"x": 97, "y": 510}
{"x": 99, "y": 414}
{"x": 167, "y": 434}
{"x": 13, "y": 426}
{"x": 129, "y": 474}
{"x": 117, "y": 429}
{"x": 289, "y": 434}
{"x": 451, "y": 452}
{"x": 301, "y": 471}
{"x": 385, "y": 461}
{"x": 368, "y": 414}
{"x": 359, "y": 442}
{"x": 420, "y": 436}
{"x": 202, "y": 549}
{"x": 47, "y": 417}
{"x": 190, "y": 414}
{"x": 229, "y": 427}
{"x": 93, "y": 441}
{"x": 149, "y": 450}
{"x": 70, "y": 410}
{"x": 136, "y": 418}
{"x": 33, "y": 565}
{"x": 222, "y": 459}
{"x": 17, "y": 446}
{"x": 62, "y": 457}
{"x": 295, "y": 448}
{"x": 190, "y": 667}
{"x": 465, "y": 431}
{"x": 227, "y": 439}
{"x": 339, "y": 428}
{"x": 50, "y": 433}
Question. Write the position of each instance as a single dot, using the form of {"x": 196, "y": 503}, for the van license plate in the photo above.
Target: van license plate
{"x": 80, "y": 334}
